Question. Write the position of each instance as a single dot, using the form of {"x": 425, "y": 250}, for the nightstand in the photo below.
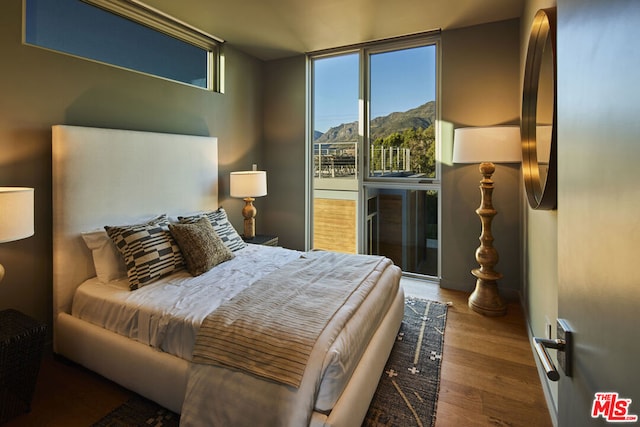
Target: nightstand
{"x": 263, "y": 239}
{"x": 21, "y": 345}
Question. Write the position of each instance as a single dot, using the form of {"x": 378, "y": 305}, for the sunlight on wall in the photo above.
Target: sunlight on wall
{"x": 446, "y": 143}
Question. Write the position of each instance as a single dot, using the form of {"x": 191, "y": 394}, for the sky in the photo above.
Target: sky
{"x": 400, "y": 80}
{"x": 77, "y": 28}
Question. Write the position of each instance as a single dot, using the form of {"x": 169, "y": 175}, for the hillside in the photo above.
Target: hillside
{"x": 419, "y": 117}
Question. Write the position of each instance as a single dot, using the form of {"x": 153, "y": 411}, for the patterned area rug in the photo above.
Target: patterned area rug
{"x": 407, "y": 393}
{"x": 139, "y": 411}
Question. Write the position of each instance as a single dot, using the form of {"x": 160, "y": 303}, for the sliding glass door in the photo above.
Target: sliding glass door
{"x": 374, "y": 145}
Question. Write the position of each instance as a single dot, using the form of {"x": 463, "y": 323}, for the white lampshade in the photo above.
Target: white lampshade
{"x": 495, "y": 144}
{"x": 16, "y": 213}
{"x": 248, "y": 184}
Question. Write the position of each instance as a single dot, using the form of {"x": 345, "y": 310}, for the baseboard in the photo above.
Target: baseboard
{"x": 551, "y": 404}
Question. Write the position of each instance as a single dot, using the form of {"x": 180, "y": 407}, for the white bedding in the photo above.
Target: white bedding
{"x": 166, "y": 314}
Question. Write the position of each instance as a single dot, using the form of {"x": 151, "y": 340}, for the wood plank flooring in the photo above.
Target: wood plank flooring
{"x": 488, "y": 376}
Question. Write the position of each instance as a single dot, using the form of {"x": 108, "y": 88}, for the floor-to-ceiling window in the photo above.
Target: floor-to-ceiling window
{"x": 373, "y": 144}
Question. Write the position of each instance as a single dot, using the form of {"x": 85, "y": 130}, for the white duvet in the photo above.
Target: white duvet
{"x": 167, "y": 314}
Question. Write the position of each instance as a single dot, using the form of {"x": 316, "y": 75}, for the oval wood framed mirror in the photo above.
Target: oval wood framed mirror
{"x": 538, "y": 125}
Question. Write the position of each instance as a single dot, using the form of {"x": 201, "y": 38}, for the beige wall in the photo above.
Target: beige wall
{"x": 284, "y": 149}
{"x": 39, "y": 88}
{"x": 480, "y": 87}
{"x": 540, "y": 243}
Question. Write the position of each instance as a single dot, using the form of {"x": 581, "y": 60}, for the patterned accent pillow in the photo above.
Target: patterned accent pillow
{"x": 201, "y": 247}
{"x": 221, "y": 225}
{"x": 149, "y": 251}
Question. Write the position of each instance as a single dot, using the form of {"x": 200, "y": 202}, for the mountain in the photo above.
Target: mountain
{"x": 421, "y": 116}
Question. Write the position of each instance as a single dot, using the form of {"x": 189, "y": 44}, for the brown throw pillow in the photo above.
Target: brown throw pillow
{"x": 202, "y": 248}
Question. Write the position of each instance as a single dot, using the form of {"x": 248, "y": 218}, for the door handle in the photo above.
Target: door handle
{"x": 541, "y": 345}
{"x": 564, "y": 346}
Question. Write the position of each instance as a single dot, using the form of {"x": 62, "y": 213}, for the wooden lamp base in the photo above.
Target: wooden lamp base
{"x": 249, "y": 213}
{"x": 485, "y": 299}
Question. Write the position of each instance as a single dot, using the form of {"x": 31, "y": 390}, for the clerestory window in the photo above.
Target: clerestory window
{"x": 125, "y": 34}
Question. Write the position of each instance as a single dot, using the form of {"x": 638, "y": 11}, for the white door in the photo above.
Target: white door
{"x": 599, "y": 208}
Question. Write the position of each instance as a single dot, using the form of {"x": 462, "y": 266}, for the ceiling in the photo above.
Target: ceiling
{"x": 272, "y": 29}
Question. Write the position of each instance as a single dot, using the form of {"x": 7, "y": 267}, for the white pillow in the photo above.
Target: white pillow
{"x": 107, "y": 261}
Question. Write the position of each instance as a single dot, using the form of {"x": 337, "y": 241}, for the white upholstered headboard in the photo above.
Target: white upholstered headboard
{"x": 109, "y": 176}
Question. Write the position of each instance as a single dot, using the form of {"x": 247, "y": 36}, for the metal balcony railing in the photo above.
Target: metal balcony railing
{"x": 340, "y": 160}
{"x": 335, "y": 160}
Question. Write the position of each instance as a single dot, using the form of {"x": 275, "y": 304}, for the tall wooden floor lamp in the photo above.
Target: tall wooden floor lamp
{"x": 487, "y": 145}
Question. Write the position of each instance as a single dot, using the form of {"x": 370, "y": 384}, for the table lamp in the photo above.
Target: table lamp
{"x": 16, "y": 215}
{"x": 248, "y": 185}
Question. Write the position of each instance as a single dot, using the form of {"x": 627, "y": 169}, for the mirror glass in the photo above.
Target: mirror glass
{"x": 539, "y": 113}
{"x": 544, "y": 111}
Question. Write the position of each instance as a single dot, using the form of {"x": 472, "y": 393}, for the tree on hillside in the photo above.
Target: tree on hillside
{"x": 421, "y": 145}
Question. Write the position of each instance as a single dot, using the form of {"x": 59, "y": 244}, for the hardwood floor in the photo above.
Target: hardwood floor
{"x": 68, "y": 395}
{"x": 488, "y": 376}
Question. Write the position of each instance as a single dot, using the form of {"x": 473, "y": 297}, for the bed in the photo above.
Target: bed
{"x": 119, "y": 177}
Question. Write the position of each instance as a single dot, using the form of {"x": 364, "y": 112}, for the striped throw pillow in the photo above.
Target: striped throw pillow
{"x": 221, "y": 225}
{"x": 149, "y": 251}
